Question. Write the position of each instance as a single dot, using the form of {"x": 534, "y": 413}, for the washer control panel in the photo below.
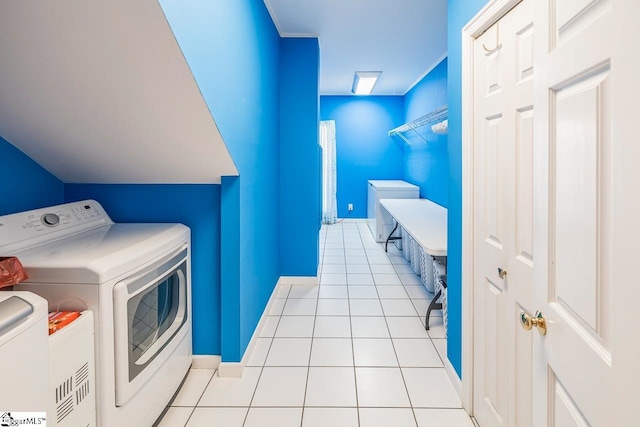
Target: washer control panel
{"x": 62, "y": 219}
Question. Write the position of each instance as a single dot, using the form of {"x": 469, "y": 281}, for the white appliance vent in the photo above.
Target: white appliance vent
{"x": 65, "y": 392}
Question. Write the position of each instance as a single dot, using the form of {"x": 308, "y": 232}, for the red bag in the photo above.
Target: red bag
{"x": 11, "y": 271}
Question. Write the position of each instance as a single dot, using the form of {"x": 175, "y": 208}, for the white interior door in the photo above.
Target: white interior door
{"x": 586, "y": 212}
{"x": 503, "y": 214}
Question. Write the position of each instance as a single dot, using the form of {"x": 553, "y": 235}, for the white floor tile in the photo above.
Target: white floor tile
{"x": 330, "y": 417}
{"x": 289, "y": 352}
{"x": 382, "y": 269}
{"x": 333, "y": 292}
{"x": 175, "y": 416}
{"x": 331, "y": 352}
{"x": 217, "y": 417}
{"x": 443, "y": 417}
{"x": 365, "y": 307}
{"x": 381, "y": 387}
{"x": 193, "y": 387}
{"x": 393, "y": 250}
{"x": 331, "y": 387}
{"x": 392, "y": 292}
{"x": 333, "y": 279}
{"x": 231, "y": 391}
{"x": 387, "y": 279}
{"x": 326, "y": 260}
{"x": 363, "y": 292}
{"x": 333, "y": 307}
{"x": 403, "y": 268}
{"x": 304, "y": 292}
{"x": 357, "y": 260}
{"x": 300, "y": 307}
{"x": 353, "y": 245}
{"x": 334, "y": 268}
{"x": 421, "y": 306}
{"x": 260, "y": 351}
{"x": 269, "y": 326}
{"x": 281, "y": 387}
{"x": 277, "y": 305}
{"x": 397, "y": 307}
{"x": 430, "y": 388}
{"x": 332, "y": 327}
{"x": 398, "y": 260}
{"x": 358, "y": 269}
{"x": 355, "y": 252}
{"x": 436, "y": 327}
{"x": 441, "y": 346}
{"x": 406, "y": 327}
{"x": 374, "y": 353}
{"x": 381, "y": 259}
{"x": 369, "y": 327}
{"x": 417, "y": 353}
{"x": 273, "y": 417}
{"x": 385, "y": 417}
{"x": 418, "y": 291}
{"x": 410, "y": 279}
{"x": 283, "y": 291}
{"x": 359, "y": 279}
{"x": 295, "y": 327}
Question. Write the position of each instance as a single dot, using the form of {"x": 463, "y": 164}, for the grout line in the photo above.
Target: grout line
{"x": 353, "y": 350}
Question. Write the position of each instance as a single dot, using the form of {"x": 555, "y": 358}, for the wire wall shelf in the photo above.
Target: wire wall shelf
{"x": 434, "y": 119}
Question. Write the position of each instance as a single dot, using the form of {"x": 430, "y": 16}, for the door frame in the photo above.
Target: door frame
{"x": 482, "y": 21}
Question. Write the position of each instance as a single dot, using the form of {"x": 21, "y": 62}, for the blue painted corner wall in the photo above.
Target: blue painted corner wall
{"x": 233, "y": 50}
{"x": 24, "y": 184}
{"x": 300, "y": 211}
{"x": 459, "y": 13}
{"x": 364, "y": 150}
{"x": 426, "y": 163}
{"x": 239, "y": 62}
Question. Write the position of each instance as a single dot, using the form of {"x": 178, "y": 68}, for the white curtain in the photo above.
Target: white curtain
{"x": 328, "y": 144}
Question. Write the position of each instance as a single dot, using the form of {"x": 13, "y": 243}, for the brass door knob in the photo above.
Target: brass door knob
{"x": 538, "y": 321}
{"x": 502, "y": 273}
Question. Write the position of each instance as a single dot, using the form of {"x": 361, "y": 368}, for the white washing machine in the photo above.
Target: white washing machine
{"x": 134, "y": 277}
{"x": 24, "y": 350}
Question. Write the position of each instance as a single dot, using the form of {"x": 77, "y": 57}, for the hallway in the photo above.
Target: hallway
{"x": 350, "y": 352}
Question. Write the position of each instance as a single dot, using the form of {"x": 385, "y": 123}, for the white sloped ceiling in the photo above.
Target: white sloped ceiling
{"x": 99, "y": 92}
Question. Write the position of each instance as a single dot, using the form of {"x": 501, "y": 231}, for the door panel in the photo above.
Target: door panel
{"x": 503, "y": 219}
{"x": 524, "y": 187}
{"x": 584, "y": 225}
{"x": 576, "y": 240}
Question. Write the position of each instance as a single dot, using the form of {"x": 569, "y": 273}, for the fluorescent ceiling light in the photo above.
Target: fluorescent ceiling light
{"x": 364, "y": 81}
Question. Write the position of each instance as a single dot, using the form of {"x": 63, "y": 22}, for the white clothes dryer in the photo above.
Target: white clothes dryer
{"x": 134, "y": 277}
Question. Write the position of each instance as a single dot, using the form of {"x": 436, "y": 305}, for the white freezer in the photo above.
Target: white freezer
{"x": 381, "y": 223}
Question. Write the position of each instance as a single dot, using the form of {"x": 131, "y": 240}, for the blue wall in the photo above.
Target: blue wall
{"x": 459, "y": 13}
{"x": 24, "y": 184}
{"x": 363, "y": 148}
{"x": 300, "y": 211}
{"x": 198, "y": 207}
{"x": 426, "y": 164}
{"x": 234, "y": 52}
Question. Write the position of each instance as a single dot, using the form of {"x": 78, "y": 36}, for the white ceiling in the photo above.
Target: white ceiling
{"x": 402, "y": 38}
{"x": 99, "y": 92}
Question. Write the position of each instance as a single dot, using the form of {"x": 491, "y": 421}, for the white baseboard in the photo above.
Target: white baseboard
{"x": 236, "y": 369}
{"x": 205, "y": 362}
{"x": 298, "y": 280}
{"x": 453, "y": 376}
{"x": 231, "y": 369}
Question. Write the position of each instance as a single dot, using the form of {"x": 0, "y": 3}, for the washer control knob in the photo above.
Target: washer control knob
{"x": 50, "y": 219}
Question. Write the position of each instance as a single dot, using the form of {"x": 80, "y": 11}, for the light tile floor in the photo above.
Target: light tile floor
{"x": 351, "y": 352}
